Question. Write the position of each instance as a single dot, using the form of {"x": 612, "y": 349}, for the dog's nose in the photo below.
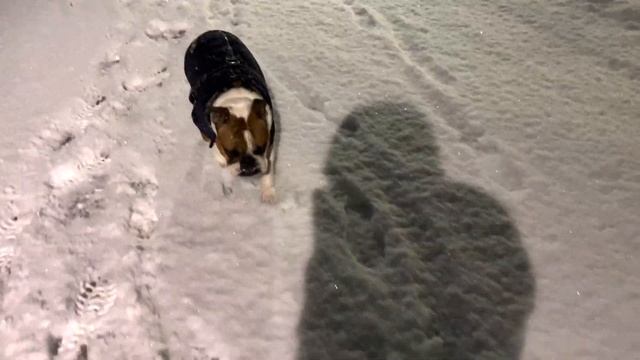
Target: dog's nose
{"x": 248, "y": 166}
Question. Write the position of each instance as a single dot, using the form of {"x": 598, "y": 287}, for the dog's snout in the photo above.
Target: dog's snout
{"x": 248, "y": 162}
{"x": 248, "y": 166}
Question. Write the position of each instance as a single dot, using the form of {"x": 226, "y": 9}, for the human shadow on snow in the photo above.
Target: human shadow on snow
{"x": 407, "y": 263}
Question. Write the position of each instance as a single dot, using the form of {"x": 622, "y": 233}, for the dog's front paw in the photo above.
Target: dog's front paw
{"x": 268, "y": 195}
{"x": 227, "y": 190}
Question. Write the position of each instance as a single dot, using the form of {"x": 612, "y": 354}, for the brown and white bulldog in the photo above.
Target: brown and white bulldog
{"x": 232, "y": 108}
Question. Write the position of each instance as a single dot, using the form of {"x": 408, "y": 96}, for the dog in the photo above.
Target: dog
{"x": 232, "y": 108}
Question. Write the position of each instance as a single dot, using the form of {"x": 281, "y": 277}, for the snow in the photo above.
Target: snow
{"x": 159, "y": 29}
{"x": 455, "y": 180}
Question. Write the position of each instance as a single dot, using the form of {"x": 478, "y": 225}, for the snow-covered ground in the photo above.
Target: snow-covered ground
{"x": 456, "y": 180}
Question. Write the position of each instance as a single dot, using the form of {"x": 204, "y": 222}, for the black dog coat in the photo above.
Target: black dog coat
{"x": 215, "y": 62}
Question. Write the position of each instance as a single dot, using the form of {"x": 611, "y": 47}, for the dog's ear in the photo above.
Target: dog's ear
{"x": 219, "y": 115}
{"x": 259, "y": 108}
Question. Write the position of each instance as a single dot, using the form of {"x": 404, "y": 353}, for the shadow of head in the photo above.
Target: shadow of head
{"x": 407, "y": 263}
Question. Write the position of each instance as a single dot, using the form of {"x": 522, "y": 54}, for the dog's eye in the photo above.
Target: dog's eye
{"x": 259, "y": 150}
{"x": 233, "y": 154}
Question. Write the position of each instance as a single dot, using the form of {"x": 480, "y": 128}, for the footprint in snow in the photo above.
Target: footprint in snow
{"x": 53, "y": 139}
{"x": 161, "y": 30}
{"x": 10, "y": 224}
{"x": 6, "y": 257}
{"x": 84, "y": 166}
{"x": 143, "y": 218}
{"x": 7, "y": 254}
{"x": 137, "y": 83}
{"x": 362, "y": 14}
{"x": 95, "y": 297}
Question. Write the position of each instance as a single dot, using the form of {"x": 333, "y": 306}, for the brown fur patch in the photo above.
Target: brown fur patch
{"x": 230, "y": 140}
{"x": 257, "y": 123}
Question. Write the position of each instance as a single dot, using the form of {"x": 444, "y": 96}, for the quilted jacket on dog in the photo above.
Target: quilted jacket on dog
{"x": 215, "y": 62}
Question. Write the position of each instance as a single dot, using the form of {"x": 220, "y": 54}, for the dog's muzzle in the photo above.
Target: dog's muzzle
{"x": 248, "y": 166}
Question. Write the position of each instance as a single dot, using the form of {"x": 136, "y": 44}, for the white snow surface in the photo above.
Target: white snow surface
{"x": 456, "y": 179}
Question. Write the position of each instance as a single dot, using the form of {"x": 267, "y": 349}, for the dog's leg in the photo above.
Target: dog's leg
{"x": 268, "y": 191}
{"x": 267, "y": 188}
{"x": 227, "y": 172}
{"x": 227, "y": 180}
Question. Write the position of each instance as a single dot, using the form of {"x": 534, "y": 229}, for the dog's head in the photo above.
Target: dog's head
{"x": 243, "y": 139}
